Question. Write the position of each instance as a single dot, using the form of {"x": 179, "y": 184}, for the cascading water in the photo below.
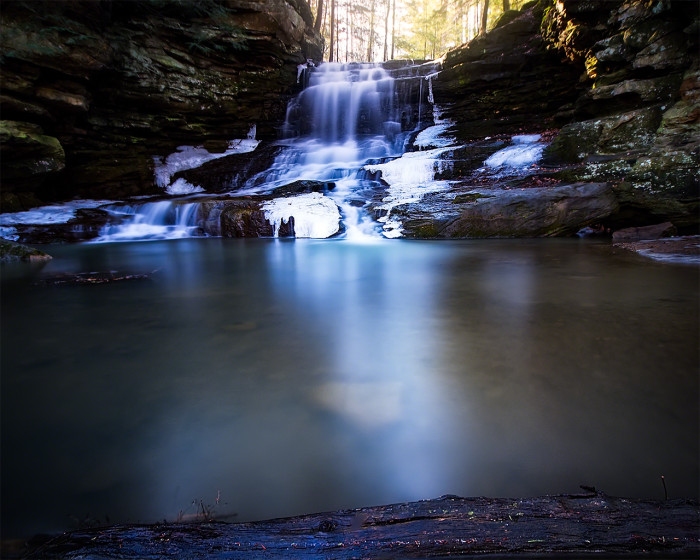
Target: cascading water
{"x": 151, "y": 221}
{"x": 348, "y": 121}
{"x": 348, "y": 116}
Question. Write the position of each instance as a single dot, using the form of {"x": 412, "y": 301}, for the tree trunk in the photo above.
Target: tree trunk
{"x": 393, "y": 27}
{"x": 319, "y": 17}
{"x": 348, "y": 30}
{"x": 371, "y": 33}
{"x": 485, "y": 16}
{"x": 506, "y": 5}
{"x": 332, "y": 45}
{"x": 386, "y": 30}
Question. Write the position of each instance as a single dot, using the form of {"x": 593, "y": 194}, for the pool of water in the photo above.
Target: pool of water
{"x": 276, "y": 377}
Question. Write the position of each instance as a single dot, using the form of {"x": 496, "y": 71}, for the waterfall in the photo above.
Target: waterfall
{"x": 349, "y": 116}
{"x": 346, "y": 121}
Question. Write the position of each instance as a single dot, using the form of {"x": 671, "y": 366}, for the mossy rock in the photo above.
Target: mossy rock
{"x": 574, "y": 142}
{"x": 11, "y": 251}
{"x": 27, "y": 151}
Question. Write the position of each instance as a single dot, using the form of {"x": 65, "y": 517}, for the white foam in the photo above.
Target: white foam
{"x": 51, "y": 214}
{"x": 525, "y": 150}
{"x": 315, "y": 215}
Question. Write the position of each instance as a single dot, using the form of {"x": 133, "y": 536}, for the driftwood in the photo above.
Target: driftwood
{"x": 587, "y": 525}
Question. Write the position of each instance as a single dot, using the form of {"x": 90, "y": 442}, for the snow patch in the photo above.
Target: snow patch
{"x": 189, "y": 157}
{"x": 315, "y": 215}
{"x": 525, "y": 150}
{"x": 434, "y": 136}
{"x": 410, "y": 177}
{"x": 183, "y": 187}
{"x": 51, "y": 214}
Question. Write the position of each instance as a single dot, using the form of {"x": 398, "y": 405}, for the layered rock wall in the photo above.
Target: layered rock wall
{"x": 91, "y": 91}
{"x": 619, "y": 78}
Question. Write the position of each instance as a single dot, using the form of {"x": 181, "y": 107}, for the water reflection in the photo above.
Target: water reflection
{"x": 297, "y": 376}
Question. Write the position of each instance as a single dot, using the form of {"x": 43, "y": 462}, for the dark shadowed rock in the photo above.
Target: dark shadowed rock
{"x": 303, "y": 186}
{"x": 113, "y": 84}
{"x": 667, "y": 229}
{"x": 230, "y": 172}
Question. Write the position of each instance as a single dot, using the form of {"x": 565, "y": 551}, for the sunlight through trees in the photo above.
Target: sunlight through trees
{"x": 380, "y": 30}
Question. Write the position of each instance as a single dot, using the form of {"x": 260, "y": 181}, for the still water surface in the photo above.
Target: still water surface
{"x": 287, "y": 377}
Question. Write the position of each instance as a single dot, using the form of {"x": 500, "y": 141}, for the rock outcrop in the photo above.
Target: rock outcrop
{"x": 535, "y": 212}
{"x": 91, "y": 91}
{"x": 616, "y": 81}
{"x": 637, "y": 124}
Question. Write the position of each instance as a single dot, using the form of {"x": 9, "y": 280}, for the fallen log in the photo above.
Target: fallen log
{"x": 582, "y": 525}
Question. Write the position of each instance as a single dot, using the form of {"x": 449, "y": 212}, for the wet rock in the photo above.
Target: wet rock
{"x": 682, "y": 250}
{"x": 239, "y": 218}
{"x": 303, "y": 186}
{"x": 535, "y": 212}
{"x": 11, "y": 251}
{"x": 667, "y": 229}
{"x": 495, "y": 84}
{"x": 231, "y": 172}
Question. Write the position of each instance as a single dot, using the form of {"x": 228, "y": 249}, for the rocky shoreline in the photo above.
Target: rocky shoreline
{"x": 564, "y": 526}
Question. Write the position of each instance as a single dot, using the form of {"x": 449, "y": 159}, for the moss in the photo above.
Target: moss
{"x": 11, "y": 251}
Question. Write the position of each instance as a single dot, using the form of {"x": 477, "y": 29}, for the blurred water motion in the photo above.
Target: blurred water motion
{"x": 286, "y": 377}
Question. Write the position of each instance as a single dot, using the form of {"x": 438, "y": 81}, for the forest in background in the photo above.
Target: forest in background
{"x": 381, "y": 30}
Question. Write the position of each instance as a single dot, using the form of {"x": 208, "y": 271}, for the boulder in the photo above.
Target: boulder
{"x": 535, "y": 212}
{"x": 231, "y": 172}
{"x": 239, "y": 218}
{"x": 27, "y": 154}
{"x": 657, "y": 231}
{"x": 11, "y": 251}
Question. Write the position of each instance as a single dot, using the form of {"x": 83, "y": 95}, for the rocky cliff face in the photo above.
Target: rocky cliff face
{"x": 618, "y": 80}
{"x": 91, "y": 91}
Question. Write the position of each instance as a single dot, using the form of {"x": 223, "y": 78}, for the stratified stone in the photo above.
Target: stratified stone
{"x": 535, "y": 212}
{"x": 657, "y": 231}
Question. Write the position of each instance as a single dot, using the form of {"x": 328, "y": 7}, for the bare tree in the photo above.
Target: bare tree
{"x": 393, "y": 27}
{"x": 484, "y": 17}
{"x": 371, "y": 33}
{"x": 386, "y": 30}
{"x": 331, "y": 50}
{"x": 319, "y": 17}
